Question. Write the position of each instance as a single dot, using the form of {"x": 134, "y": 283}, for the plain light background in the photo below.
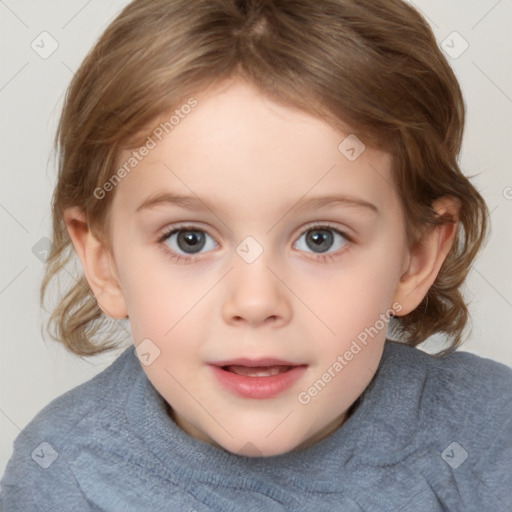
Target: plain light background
{"x": 474, "y": 34}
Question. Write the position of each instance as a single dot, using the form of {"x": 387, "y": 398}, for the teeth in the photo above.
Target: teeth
{"x": 257, "y": 371}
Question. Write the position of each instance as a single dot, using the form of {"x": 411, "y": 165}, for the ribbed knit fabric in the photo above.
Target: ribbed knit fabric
{"x": 429, "y": 435}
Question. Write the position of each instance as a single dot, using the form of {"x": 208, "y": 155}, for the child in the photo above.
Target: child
{"x": 263, "y": 188}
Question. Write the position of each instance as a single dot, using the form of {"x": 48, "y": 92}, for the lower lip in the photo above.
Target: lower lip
{"x": 258, "y": 387}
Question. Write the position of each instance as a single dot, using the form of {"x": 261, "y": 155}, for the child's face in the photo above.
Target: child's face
{"x": 255, "y": 172}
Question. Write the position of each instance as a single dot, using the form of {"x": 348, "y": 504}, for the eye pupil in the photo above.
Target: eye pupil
{"x": 191, "y": 241}
{"x": 320, "y": 239}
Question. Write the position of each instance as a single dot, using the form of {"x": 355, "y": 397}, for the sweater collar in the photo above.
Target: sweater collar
{"x": 384, "y": 429}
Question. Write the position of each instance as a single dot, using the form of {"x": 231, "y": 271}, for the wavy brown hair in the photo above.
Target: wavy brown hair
{"x": 373, "y": 65}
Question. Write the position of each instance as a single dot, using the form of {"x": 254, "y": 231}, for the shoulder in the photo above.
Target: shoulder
{"x": 57, "y": 419}
{"x": 472, "y": 395}
{"x": 460, "y": 376}
{"x": 458, "y": 395}
{"x": 449, "y": 418}
{"x": 479, "y": 387}
{"x": 52, "y": 436}
{"x": 464, "y": 415}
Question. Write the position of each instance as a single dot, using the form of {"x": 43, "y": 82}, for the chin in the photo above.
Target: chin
{"x": 260, "y": 447}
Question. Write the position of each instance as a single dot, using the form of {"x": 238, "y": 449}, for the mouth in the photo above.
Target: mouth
{"x": 257, "y": 371}
{"x": 261, "y": 378}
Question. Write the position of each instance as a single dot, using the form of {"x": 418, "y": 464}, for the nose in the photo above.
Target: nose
{"x": 255, "y": 296}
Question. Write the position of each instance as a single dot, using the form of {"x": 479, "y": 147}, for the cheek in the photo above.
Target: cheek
{"x": 164, "y": 307}
{"x": 350, "y": 298}
{"x": 355, "y": 307}
{"x": 160, "y": 298}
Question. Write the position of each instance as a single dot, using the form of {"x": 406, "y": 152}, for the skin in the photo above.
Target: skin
{"x": 250, "y": 161}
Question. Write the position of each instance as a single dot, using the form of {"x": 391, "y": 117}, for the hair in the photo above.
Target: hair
{"x": 373, "y": 65}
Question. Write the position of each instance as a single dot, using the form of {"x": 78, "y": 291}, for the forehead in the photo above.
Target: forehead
{"x": 238, "y": 146}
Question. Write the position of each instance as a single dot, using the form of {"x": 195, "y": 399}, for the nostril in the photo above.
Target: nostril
{"x": 254, "y": 319}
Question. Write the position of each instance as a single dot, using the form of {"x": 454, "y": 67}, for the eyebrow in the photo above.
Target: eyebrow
{"x": 312, "y": 203}
{"x": 166, "y": 198}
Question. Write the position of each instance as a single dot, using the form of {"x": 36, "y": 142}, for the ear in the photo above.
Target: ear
{"x": 97, "y": 262}
{"x": 423, "y": 261}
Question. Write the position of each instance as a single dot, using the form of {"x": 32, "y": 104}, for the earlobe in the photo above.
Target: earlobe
{"x": 425, "y": 258}
{"x": 97, "y": 262}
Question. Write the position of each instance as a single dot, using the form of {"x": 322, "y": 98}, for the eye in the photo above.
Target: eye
{"x": 186, "y": 240}
{"x": 322, "y": 239}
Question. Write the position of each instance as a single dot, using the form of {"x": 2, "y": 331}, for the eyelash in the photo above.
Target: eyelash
{"x": 182, "y": 259}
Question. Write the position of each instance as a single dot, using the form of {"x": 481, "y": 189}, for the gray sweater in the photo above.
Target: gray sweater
{"x": 428, "y": 435}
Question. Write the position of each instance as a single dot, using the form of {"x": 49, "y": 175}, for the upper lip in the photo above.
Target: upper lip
{"x": 264, "y": 361}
